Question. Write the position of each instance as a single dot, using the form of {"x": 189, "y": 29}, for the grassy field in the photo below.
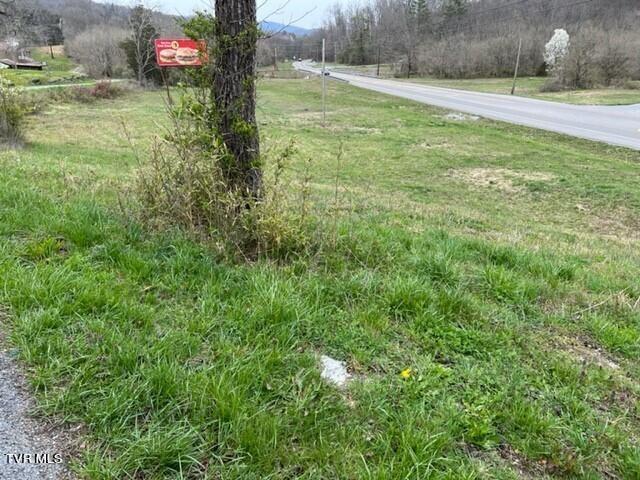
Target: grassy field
{"x": 526, "y": 87}
{"x": 58, "y": 70}
{"x": 530, "y": 87}
{"x": 496, "y": 266}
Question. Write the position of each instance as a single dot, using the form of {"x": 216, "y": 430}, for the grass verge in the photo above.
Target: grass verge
{"x": 499, "y": 264}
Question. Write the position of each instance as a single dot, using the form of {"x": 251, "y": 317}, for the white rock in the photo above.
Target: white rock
{"x": 334, "y": 371}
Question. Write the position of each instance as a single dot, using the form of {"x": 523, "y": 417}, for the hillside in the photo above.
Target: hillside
{"x": 465, "y": 39}
{"x": 79, "y": 15}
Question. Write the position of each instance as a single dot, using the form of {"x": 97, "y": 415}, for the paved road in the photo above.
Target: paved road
{"x": 27, "y": 447}
{"x": 610, "y": 124}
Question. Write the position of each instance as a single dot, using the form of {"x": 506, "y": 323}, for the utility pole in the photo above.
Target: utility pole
{"x": 515, "y": 75}
{"x": 275, "y": 59}
{"x": 324, "y": 86}
{"x": 378, "y": 69}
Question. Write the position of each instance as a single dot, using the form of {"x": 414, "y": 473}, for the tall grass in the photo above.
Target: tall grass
{"x": 13, "y": 110}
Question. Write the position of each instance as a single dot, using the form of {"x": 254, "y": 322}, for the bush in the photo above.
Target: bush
{"x": 552, "y": 85}
{"x": 105, "y": 90}
{"x": 100, "y": 91}
{"x": 598, "y": 58}
{"x": 632, "y": 85}
{"x": 579, "y": 68}
{"x": 183, "y": 185}
{"x": 613, "y": 59}
{"x": 13, "y": 109}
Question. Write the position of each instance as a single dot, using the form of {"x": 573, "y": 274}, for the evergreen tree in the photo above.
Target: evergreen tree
{"x": 422, "y": 16}
{"x": 455, "y": 8}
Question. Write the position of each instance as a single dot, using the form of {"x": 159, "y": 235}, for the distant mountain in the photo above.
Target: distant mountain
{"x": 274, "y": 27}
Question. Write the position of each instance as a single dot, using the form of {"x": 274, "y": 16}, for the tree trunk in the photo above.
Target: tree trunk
{"x": 234, "y": 93}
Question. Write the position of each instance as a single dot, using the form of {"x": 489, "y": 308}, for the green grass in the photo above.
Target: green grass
{"x": 500, "y": 264}
{"x": 58, "y": 70}
{"x": 285, "y": 71}
{"x": 530, "y": 87}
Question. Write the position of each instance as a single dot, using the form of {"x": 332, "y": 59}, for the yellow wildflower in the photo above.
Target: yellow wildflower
{"x": 406, "y": 373}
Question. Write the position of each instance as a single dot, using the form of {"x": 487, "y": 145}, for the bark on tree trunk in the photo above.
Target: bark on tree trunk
{"x": 234, "y": 92}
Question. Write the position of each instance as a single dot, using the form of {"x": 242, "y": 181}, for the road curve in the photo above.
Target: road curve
{"x": 616, "y": 125}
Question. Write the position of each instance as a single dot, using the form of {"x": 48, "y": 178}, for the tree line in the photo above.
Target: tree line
{"x": 108, "y": 40}
{"x": 464, "y": 39}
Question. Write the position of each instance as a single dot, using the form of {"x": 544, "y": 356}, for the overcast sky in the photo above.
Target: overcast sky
{"x": 291, "y": 11}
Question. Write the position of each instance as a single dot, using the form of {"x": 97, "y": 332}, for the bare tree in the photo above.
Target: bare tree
{"x": 4, "y": 6}
{"x": 613, "y": 57}
{"x": 140, "y": 43}
{"x": 98, "y": 51}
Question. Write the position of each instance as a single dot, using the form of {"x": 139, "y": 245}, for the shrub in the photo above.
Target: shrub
{"x": 552, "y": 85}
{"x": 183, "y": 185}
{"x": 578, "y": 68}
{"x": 100, "y": 91}
{"x": 613, "y": 58}
{"x": 13, "y": 109}
{"x": 105, "y": 90}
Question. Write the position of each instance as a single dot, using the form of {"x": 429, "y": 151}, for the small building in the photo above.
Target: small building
{"x": 22, "y": 64}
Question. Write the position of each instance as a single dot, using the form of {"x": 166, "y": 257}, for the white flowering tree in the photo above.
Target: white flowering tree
{"x": 556, "y": 49}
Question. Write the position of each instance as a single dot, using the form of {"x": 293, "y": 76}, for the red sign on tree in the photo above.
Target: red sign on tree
{"x": 180, "y": 52}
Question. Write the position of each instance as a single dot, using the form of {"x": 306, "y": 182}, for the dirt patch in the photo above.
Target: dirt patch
{"x": 315, "y": 118}
{"x": 364, "y": 130}
{"x": 507, "y": 456}
{"x": 307, "y": 117}
{"x": 461, "y": 117}
{"x": 354, "y": 129}
{"x": 620, "y": 221}
{"x": 623, "y": 399}
{"x": 429, "y": 146}
{"x": 587, "y": 353}
{"x": 525, "y": 467}
{"x": 502, "y": 179}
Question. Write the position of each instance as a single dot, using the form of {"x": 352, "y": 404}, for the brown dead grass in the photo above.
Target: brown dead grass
{"x": 621, "y": 221}
{"x": 502, "y": 179}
